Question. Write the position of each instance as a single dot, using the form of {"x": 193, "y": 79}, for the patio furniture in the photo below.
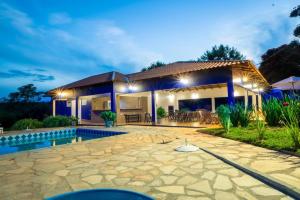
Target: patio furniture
{"x": 291, "y": 83}
{"x": 215, "y": 118}
{"x": 207, "y": 117}
{"x": 148, "y": 118}
{"x": 171, "y": 115}
{"x": 132, "y": 118}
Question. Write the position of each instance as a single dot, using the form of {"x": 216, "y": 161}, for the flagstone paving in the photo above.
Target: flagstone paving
{"x": 143, "y": 160}
{"x": 275, "y": 165}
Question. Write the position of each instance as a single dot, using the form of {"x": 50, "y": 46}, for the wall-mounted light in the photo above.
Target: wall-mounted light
{"x": 195, "y": 96}
{"x": 133, "y": 87}
{"x": 254, "y": 85}
{"x": 260, "y": 89}
{"x": 122, "y": 88}
{"x": 236, "y": 93}
{"x": 184, "y": 80}
{"x": 59, "y": 93}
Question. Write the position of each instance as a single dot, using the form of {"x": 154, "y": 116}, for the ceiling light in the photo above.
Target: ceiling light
{"x": 195, "y": 96}
{"x": 237, "y": 80}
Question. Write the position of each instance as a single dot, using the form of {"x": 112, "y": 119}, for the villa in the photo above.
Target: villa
{"x": 189, "y": 86}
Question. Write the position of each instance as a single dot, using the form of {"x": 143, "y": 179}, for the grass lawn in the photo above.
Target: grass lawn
{"x": 275, "y": 137}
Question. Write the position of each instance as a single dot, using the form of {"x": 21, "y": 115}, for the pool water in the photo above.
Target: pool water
{"x": 30, "y": 141}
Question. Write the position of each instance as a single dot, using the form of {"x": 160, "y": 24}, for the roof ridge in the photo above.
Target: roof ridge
{"x": 209, "y": 61}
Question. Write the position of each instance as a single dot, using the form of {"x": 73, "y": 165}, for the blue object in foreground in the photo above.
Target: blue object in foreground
{"x": 102, "y": 194}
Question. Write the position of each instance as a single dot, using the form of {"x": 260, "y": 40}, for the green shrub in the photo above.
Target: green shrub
{"x": 245, "y": 116}
{"x": 57, "y": 121}
{"x": 291, "y": 120}
{"x": 161, "y": 113}
{"x": 240, "y": 115}
{"x": 27, "y": 123}
{"x": 272, "y": 110}
{"x": 224, "y": 117}
{"x": 108, "y": 116}
{"x": 235, "y": 114}
{"x": 260, "y": 127}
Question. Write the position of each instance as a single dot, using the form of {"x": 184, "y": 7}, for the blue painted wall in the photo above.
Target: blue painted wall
{"x": 61, "y": 108}
{"x": 205, "y": 77}
{"x": 86, "y": 110}
{"x": 95, "y": 89}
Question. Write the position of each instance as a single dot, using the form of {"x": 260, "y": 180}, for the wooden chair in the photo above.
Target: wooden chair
{"x": 148, "y": 118}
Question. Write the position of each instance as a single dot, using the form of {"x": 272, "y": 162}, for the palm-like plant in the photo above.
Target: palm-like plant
{"x": 272, "y": 111}
{"x": 224, "y": 116}
{"x": 291, "y": 120}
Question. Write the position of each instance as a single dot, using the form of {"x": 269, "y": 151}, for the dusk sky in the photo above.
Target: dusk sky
{"x": 53, "y": 42}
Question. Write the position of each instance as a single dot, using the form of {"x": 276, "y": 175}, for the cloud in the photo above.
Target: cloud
{"x": 253, "y": 37}
{"x": 17, "y": 19}
{"x": 15, "y": 73}
{"x": 78, "y": 49}
{"x": 59, "y": 18}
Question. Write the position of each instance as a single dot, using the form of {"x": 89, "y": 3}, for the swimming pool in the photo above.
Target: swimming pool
{"x": 29, "y": 141}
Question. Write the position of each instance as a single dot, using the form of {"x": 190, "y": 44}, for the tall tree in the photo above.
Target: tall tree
{"x": 25, "y": 93}
{"x": 222, "y": 52}
{"x": 282, "y": 62}
{"x": 154, "y": 65}
{"x": 14, "y": 97}
{"x": 296, "y": 13}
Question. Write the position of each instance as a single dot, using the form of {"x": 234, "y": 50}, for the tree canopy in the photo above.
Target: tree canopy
{"x": 25, "y": 93}
{"x": 296, "y": 13}
{"x": 282, "y": 62}
{"x": 154, "y": 65}
{"x": 222, "y": 52}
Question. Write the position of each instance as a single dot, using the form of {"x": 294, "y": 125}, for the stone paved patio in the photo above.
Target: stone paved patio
{"x": 139, "y": 162}
{"x": 275, "y": 165}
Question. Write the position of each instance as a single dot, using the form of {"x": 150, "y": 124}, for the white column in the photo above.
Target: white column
{"x": 53, "y": 107}
{"x": 259, "y": 102}
{"x": 213, "y": 105}
{"x": 79, "y": 110}
{"x": 246, "y": 98}
{"x": 73, "y": 108}
{"x": 254, "y": 101}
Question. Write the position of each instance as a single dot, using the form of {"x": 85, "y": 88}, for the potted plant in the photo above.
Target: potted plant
{"x": 109, "y": 118}
{"x": 161, "y": 113}
{"x": 74, "y": 121}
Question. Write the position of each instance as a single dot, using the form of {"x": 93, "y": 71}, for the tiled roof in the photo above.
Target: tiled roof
{"x": 169, "y": 69}
{"x": 181, "y": 67}
{"x": 96, "y": 79}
